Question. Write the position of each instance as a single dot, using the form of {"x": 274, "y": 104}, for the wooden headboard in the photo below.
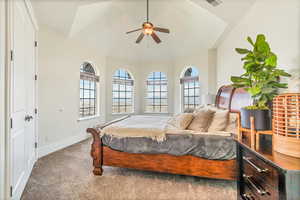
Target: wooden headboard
{"x": 232, "y": 99}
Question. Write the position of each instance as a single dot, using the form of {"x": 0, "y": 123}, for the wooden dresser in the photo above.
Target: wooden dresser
{"x": 267, "y": 175}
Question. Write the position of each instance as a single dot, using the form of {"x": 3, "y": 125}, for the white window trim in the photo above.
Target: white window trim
{"x": 88, "y": 118}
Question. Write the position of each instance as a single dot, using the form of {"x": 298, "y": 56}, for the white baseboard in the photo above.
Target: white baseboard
{"x": 17, "y": 195}
{"x": 45, "y": 150}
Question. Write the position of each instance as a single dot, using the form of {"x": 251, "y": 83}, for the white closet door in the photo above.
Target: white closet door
{"x": 30, "y": 138}
{"x": 23, "y": 101}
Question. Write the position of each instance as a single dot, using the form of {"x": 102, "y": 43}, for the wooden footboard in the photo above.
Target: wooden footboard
{"x": 184, "y": 165}
{"x": 96, "y": 151}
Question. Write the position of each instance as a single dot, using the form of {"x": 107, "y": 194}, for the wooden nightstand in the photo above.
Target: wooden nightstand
{"x": 263, "y": 174}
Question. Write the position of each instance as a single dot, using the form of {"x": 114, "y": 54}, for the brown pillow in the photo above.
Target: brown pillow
{"x": 181, "y": 121}
{"x": 219, "y": 121}
{"x": 232, "y": 123}
{"x": 202, "y": 119}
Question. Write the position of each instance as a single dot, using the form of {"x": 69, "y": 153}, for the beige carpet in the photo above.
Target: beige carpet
{"x": 66, "y": 175}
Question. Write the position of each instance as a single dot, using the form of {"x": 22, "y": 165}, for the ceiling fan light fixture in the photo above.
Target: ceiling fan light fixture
{"x": 147, "y": 28}
{"x": 148, "y": 31}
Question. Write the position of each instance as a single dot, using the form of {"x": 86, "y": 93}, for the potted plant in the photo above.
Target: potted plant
{"x": 260, "y": 80}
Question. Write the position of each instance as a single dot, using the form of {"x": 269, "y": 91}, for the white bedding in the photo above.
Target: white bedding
{"x": 154, "y": 127}
{"x": 139, "y": 126}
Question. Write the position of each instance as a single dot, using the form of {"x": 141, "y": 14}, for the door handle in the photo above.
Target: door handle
{"x": 28, "y": 118}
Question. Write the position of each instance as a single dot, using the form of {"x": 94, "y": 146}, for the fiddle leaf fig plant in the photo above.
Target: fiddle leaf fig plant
{"x": 261, "y": 77}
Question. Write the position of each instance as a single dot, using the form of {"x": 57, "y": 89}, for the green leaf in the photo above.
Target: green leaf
{"x": 254, "y": 90}
{"x": 242, "y": 51}
{"x": 260, "y": 38}
{"x": 250, "y": 41}
{"x": 278, "y": 85}
{"x": 263, "y": 48}
{"x": 268, "y": 90}
{"x": 271, "y": 60}
{"x": 281, "y": 72}
{"x": 237, "y": 79}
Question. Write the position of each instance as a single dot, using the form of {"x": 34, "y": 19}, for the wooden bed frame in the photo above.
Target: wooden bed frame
{"x": 227, "y": 98}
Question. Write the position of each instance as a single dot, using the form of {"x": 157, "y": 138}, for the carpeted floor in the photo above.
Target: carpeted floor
{"x": 67, "y": 175}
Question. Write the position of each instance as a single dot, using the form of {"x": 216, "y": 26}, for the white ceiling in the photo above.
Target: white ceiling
{"x": 195, "y": 25}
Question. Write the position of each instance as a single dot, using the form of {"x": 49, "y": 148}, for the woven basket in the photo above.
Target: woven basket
{"x": 286, "y": 124}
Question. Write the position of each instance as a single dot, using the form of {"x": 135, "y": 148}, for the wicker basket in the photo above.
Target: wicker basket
{"x": 286, "y": 124}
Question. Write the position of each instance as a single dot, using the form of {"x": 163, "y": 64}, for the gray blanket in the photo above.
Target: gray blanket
{"x": 205, "y": 146}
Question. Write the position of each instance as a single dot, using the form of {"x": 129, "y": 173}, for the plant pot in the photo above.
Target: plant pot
{"x": 262, "y": 119}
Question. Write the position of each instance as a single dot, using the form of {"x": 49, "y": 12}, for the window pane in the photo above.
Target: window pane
{"x": 92, "y": 94}
{"x": 122, "y": 95}
{"x": 115, "y": 87}
{"x": 92, "y": 103}
{"x": 191, "y": 92}
{"x": 87, "y": 91}
{"x": 128, "y": 95}
{"x": 191, "y": 89}
{"x": 81, "y": 93}
{"x": 164, "y": 102}
{"x": 93, "y": 85}
{"x": 86, "y": 84}
{"x": 150, "y": 95}
{"x": 164, "y": 109}
{"x": 164, "y": 95}
{"x": 81, "y": 83}
{"x": 122, "y": 92}
{"x": 157, "y": 92}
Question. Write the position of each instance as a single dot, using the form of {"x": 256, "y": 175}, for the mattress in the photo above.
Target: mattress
{"x": 213, "y": 147}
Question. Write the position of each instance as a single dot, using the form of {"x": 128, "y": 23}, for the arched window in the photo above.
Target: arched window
{"x": 157, "y": 93}
{"x": 122, "y": 100}
{"x": 190, "y": 88}
{"x": 88, "y": 91}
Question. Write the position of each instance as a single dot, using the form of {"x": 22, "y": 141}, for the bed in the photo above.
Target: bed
{"x": 104, "y": 153}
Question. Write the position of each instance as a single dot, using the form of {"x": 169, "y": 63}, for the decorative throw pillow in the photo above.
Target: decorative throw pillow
{"x": 199, "y": 108}
{"x": 189, "y": 110}
{"x": 219, "y": 121}
{"x": 202, "y": 119}
{"x": 181, "y": 121}
{"x": 232, "y": 123}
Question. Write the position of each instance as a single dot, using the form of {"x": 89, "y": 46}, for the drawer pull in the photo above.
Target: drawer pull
{"x": 254, "y": 166}
{"x": 258, "y": 190}
{"x": 248, "y": 197}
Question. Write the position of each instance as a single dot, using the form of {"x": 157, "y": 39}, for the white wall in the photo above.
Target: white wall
{"x": 58, "y": 95}
{"x": 279, "y": 20}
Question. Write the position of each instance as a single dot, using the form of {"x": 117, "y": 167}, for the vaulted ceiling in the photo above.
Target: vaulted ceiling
{"x": 195, "y": 25}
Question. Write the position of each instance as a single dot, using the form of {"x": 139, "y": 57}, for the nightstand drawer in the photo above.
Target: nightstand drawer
{"x": 257, "y": 168}
{"x": 266, "y": 175}
{"x": 259, "y": 189}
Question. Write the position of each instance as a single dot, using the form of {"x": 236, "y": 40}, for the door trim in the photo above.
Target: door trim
{"x": 3, "y": 113}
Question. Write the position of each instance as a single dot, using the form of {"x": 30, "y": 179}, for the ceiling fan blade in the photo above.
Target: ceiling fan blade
{"x": 133, "y": 30}
{"x": 163, "y": 30}
{"x": 155, "y": 38}
{"x": 140, "y": 38}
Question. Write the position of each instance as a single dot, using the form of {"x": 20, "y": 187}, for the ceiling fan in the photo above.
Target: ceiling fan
{"x": 149, "y": 29}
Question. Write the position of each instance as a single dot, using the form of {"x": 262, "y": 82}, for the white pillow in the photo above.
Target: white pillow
{"x": 232, "y": 123}
{"x": 202, "y": 119}
{"x": 219, "y": 121}
{"x": 181, "y": 121}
